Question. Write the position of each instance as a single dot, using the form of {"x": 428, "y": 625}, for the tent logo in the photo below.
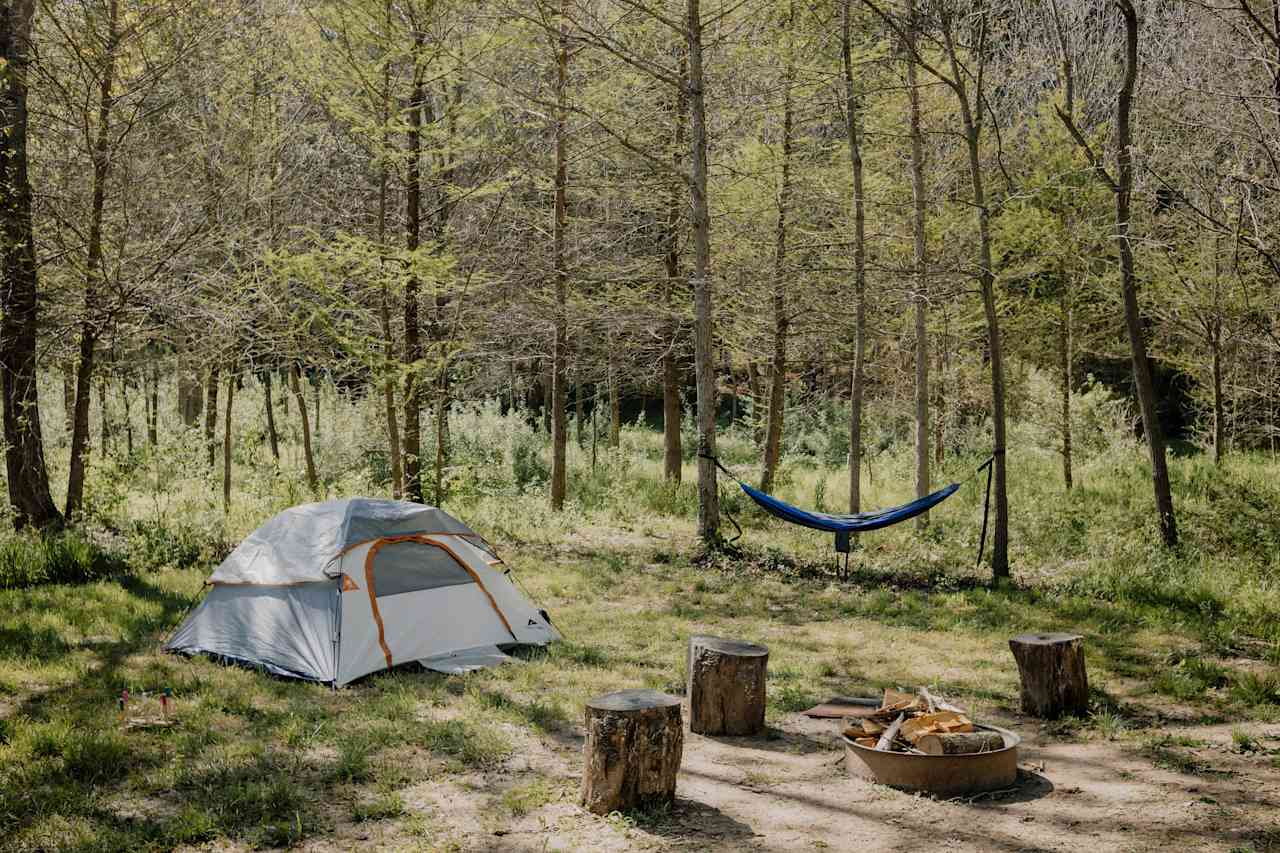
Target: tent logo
{"x": 534, "y": 623}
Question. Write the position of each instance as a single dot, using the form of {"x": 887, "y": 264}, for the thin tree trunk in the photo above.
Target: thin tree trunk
{"x": 211, "y": 414}
{"x": 778, "y": 388}
{"x": 1067, "y": 357}
{"x": 27, "y": 476}
{"x": 853, "y": 130}
{"x": 412, "y": 333}
{"x": 615, "y": 408}
{"x": 756, "y": 389}
{"x": 1129, "y": 285}
{"x": 68, "y": 397}
{"x": 442, "y": 435}
{"x": 672, "y": 451}
{"x": 1219, "y": 413}
{"x": 93, "y": 266}
{"x": 703, "y": 333}
{"x": 315, "y": 396}
{"x": 128, "y": 415}
{"x": 313, "y": 482}
{"x": 273, "y": 438}
{"x": 384, "y": 305}
{"x": 579, "y": 409}
{"x": 153, "y": 415}
{"x": 226, "y": 444}
{"x": 919, "y": 261}
{"x": 559, "y": 373}
{"x": 971, "y": 119}
{"x": 104, "y": 422}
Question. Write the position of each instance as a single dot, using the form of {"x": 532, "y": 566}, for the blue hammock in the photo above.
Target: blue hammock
{"x": 844, "y": 525}
{"x": 857, "y": 523}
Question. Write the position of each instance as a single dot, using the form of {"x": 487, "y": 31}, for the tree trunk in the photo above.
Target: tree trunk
{"x": 700, "y": 222}
{"x": 635, "y": 740}
{"x": 313, "y": 482}
{"x": 93, "y": 264}
{"x": 1219, "y": 415}
{"x": 615, "y": 409}
{"x": 27, "y": 476}
{"x": 919, "y": 261}
{"x": 384, "y": 305}
{"x": 412, "y": 333}
{"x": 672, "y": 451}
{"x": 153, "y": 411}
{"x": 971, "y": 121}
{"x": 315, "y": 396}
{"x": 211, "y": 415}
{"x": 104, "y": 421}
{"x": 1067, "y": 357}
{"x": 442, "y": 435}
{"x": 226, "y": 444}
{"x": 579, "y": 410}
{"x": 1052, "y": 669}
{"x": 190, "y": 393}
{"x": 559, "y": 372}
{"x": 756, "y": 389}
{"x": 853, "y": 130}
{"x": 778, "y": 387}
{"x": 1129, "y": 285}
{"x": 273, "y": 437}
{"x": 68, "y": 397}
{"x": 726, "y": 686}
{"x": 128, "y": 415}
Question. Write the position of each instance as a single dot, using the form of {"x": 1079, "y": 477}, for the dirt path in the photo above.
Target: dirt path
{"x": 789, "y": 792}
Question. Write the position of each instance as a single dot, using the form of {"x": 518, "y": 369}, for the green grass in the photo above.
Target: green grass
{"x": 259, "y": 761}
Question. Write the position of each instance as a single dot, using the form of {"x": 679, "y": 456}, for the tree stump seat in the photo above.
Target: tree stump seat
{"x": 1051, "y": 667}
{"x": 726, "y": 686}
{"x": 635, "y": 740}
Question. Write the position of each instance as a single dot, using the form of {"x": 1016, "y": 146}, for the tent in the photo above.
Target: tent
{"x": 335, "y": 590}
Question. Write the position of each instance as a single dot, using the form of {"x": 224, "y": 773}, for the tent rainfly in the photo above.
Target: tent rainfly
{"x": 336, "y": 590}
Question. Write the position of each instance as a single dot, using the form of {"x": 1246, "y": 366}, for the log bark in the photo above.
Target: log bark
{"x": 726, "y": 686}
{"x": 1052, "y": 669}
{"x": 960, "y": 743}
{"x": 635, "y": 740}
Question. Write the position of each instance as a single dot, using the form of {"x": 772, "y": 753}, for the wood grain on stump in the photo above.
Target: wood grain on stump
{"x": 1053, "y": 675}
{"x": 726, "y": 686}
{"x": 635, "y": 740}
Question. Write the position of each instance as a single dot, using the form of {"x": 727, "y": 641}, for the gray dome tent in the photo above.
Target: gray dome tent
{"x": 336, "y": 590}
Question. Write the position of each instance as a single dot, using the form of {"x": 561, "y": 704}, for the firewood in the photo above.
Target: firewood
{"x": 868, "y": 742}
{"x": 959, "y": 743}
{"x": 886, "y": 740}
{"x": 943, "y": 721}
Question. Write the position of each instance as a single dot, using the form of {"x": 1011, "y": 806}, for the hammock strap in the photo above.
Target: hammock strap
{"x": 986, "y": 503}
{"x": 724, "y": 511}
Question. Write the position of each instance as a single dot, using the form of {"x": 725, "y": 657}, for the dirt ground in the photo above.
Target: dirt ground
{"x": 789, "y": 791}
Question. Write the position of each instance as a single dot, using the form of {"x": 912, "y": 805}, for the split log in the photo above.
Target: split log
{"x": 960, "y": 743}
{"x": 1053, "y": 675}
{"x": 886, "y": 739}
{"x": 634, "y": 744}
{"x": 726, "y": 686}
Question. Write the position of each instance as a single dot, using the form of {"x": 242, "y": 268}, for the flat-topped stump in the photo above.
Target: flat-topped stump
{"x": 726, "y": 686}
{"x": 1054, "y": 681}
{"x": 635, "y": 740}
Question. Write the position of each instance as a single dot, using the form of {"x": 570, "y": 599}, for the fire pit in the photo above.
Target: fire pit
{"x": 944, "y": 775}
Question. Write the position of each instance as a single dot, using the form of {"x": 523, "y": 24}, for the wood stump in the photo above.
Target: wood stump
{"x": 635, "y": 739}
{"x": 726, "y": 686}
{"x": 1053, "y": 675}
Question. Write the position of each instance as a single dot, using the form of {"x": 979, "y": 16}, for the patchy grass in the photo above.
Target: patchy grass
{"x": 260, "y": 761}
